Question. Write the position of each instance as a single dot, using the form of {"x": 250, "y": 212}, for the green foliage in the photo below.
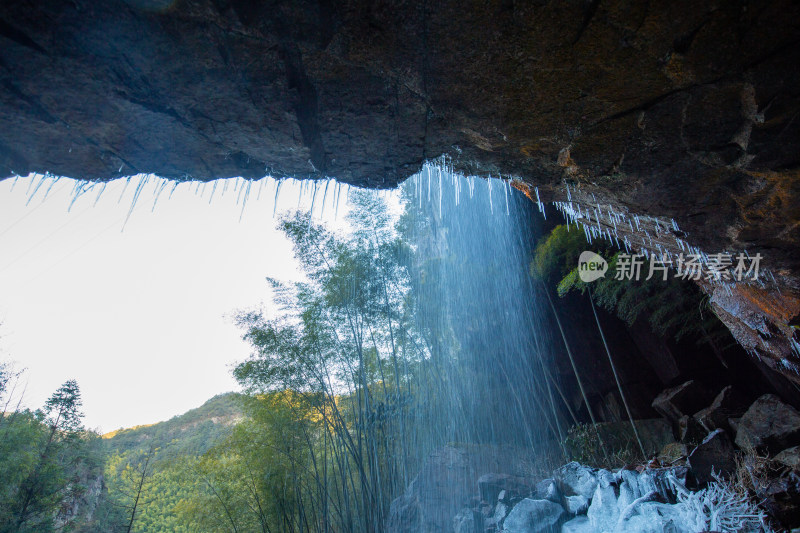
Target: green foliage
{"x": 584, "y": 446}
{"x": 62, "y": 409}
{"x": 557, "y": 254}
{"x": 672, "y": 307}
{"x": 254, "y": 480}
{"x": 191, "y": 433}
{"x": 48, "y": 463}
{"x": 325, "y": 442}
{"x": 46, "y": 459}
{"x": 146, "y": 466}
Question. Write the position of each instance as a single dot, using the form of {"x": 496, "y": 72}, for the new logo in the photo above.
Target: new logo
{"x": 591, "y": 266}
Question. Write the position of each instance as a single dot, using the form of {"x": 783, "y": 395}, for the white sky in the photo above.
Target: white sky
{"x": 140, "y": 317}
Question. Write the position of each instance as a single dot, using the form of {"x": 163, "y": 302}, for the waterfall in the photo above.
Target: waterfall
{"x": 487, "y": 328}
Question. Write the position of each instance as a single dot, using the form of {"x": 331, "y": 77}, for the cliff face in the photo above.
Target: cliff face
{"x": 676, "y": 109}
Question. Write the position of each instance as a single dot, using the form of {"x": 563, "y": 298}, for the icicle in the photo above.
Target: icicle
{"x": 505, "y": 189}
{"x": 439, "y": 171}
{"x": 99, "y": 193}
{"x": 137, "y": 192}
{"x": 491, "y": 207}
{"x": 260, "y": 188}
{"x": 428, "y": 172}
{"x": 77, "y": 191}
{"x": 277, "y": 193}
{"x": 125, "y": 188}
{"x": 324, "y": 196}
{"x": 159, "y": 189}
{"x": 244, "y": 200}
{"x": 30, "y": 184}
{"x": 52, "y": 184}
{"x": 174, "y": 186}
{"x": 36, "y": 189}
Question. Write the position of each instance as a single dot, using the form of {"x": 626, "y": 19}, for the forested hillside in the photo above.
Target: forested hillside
{"x": 57, "y": 476}
{"x": 148, "y": 469}
{"x": 191, "y": 433}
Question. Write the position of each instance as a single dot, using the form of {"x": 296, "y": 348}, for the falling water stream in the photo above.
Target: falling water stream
{"x": 490, "y": 332}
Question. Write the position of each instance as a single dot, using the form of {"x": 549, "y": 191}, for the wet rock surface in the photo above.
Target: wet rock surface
{"x": 676, "y": 490}
{"x": 674, "y": 403}
{"x": 447, "y": 487}
{"x": 715, "y": 455}
{"x": 654, "y": 434}
{"x": 790, "y": 457}
{"x": 727, "y": 404}
{"x": 782, "y": 498}
{"x": 532, "y": 516}
{"x": 769, "y": 424}
{"x": 575, "y": 479}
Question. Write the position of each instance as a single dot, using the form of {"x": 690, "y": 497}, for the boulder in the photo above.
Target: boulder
{"x": 575, "y": 479}
{"x": 547, "y": 490}
{"x": 790, "y": 457}
{"x": 464, "y": 522}
{"x": 690, "y": 431}
{"x": 716, "y": 453}
{"x": 606, "y": 478}
{"x": 725, "y": 405}
{"x": 679, "y": 401}
{"x": 651, "y": 518}
{"x": 532, "y": 516}
{"x": 628, "y": 487}
{"x": 603, "y": 512}
{"x": 446, "y": 484}
{"x": 576, "y": 504}
{"x": 490, "y": 486}
{"x": 579, "y": 524}
{"x": 769, "y": 424}
{"x": 638, "y": 484}
{"x": 500, "y": 513}
{"x": 673, "y": 453}
{"x": 782, "y": 499}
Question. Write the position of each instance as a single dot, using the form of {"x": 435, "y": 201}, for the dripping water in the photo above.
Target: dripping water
{"x": 488, "y": 331}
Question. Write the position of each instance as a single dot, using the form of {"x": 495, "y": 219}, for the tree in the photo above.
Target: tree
{"x": 334, "y": 358}
{"x": 132, "y": 475}
{"x": 55, "y": 437}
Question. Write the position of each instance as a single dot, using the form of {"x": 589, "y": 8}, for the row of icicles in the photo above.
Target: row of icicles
{"x": 659, "y": 238}
{"x": 316, "y": 191}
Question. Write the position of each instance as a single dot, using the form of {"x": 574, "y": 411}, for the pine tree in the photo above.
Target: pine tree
{"x": 42, "y": 490}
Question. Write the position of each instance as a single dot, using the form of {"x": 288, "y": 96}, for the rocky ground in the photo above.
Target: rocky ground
{"x": 725, "y": 468}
